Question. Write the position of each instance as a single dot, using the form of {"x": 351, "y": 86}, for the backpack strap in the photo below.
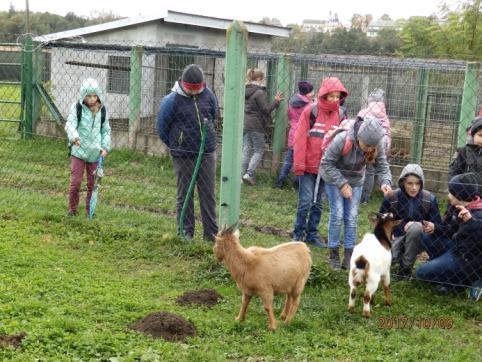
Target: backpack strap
{"x": 313, "y": 115}
{"x": 348, "y": 144}
{"x": 102, "y": 116}
{"x": 78, "y": 107}
{"x": 426, "y": 202}
{"x": 103, "y": 113}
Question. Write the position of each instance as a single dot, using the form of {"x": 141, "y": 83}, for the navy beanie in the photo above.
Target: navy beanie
{"x": 192, "y": 74}
{"x": 305, "y": 87}
{"x": 464, "y": 186}
{"x": 476, "y": 126}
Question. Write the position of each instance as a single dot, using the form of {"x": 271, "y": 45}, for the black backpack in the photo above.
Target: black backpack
{"x": 78, "y": 108}
{"x": 425, "y": 202}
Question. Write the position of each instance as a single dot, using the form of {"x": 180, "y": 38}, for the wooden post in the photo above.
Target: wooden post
{"x": 469, "y": 101}
{"x": 135, "y": 87}
{"x": 416, "y": 146}
{"x": 279, "y": 134}
{"x": 233, "y": 123}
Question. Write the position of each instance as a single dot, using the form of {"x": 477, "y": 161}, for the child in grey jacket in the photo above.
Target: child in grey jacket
{"x": 344, "y": 176}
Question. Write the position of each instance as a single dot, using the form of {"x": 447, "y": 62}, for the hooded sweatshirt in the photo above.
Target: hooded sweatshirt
{"x": 308, "y": 140}
{"x": 93, "y": 137}
{"x": 376, "y": 109}
{"x": 409, "y": 208}
{"x": 257, "y": 110}
{"x": 180, "y": 120}
{"x": 296, "y": 105}
{"x": 339, "y": 170}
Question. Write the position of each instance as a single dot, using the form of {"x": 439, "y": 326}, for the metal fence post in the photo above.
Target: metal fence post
{"x": 469, "y": 101}
{"x": 135, "y": 88}
{"x": 27, "y": 80}
{"x": 416, "y": 146}
{"x": 36, "y": 79}
{"x": 279, "y": 133}
{"x": 234, "y": 88}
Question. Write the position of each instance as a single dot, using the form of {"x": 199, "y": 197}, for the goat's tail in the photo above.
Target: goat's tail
{"x": 360, "y": 272}
{"x": 361, "y": 262}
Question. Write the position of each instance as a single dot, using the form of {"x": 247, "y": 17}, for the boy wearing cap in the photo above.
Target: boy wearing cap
{"x": 180, "y": 121}
{"x": 419, "y": 212}
{"x": 296, "y": 105}
{"x": 455, "y": 250}
{"x": 344, "y": 173}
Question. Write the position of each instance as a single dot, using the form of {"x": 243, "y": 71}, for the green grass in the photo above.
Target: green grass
{"x": 73, "y": 285}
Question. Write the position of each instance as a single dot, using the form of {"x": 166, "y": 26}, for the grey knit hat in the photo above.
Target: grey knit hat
{"x": 377, "y": 95}
{"x": 371, "y": 131}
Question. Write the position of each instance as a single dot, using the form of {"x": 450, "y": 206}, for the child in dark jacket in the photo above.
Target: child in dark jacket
{"x": 459, "y": 260}
{"x": 257, "y": 118}
{"x": 297, "y": 104}
{"x": 469, "y": 157}
{"x": 307, "y": 155}
{"x": 419, "y": 212}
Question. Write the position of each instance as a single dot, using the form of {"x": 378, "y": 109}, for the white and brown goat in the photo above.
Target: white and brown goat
{"x": 370, "y": 262}
{"x": 282, "y": 269}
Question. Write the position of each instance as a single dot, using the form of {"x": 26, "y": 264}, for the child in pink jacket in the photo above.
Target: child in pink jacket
{"x": 376, "y": 109}
{"x": 296, "y": 105}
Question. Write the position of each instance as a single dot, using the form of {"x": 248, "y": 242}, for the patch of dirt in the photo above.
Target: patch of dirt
{"x": 207, "y": 297}
{"x": 13, "y": 340}
{"x": 169, "y": 326}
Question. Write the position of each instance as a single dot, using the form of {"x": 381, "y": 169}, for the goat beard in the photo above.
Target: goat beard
{"x": 370, "y": 157}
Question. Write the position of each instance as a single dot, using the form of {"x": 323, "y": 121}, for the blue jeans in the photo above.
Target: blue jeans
{"x": 287, "y": 165}
{"x": 436, "y": 245}
{"x": 307, "y": 209}
{"x": 345, "y": 210}
{"x": 253, "y": 148}
{"x": 444, "y": 269}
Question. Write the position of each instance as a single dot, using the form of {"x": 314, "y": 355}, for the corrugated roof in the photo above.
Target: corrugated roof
{"x": 168, "y": 17}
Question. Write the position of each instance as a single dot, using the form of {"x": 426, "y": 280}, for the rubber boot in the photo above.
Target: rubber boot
{"x": 334, "y": 258}
{"x": 347, "y": 258}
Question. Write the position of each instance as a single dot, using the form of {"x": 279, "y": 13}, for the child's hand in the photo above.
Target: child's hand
{"x": 346, "y": 191}
{"x": 464, "y": 214}
{"x": 428, "y": 227}
{"x": 279, "y": 97}
{"x": 103, "y": 153}
{"x": 387, "y": 190}
{"x": 77, "y": 142}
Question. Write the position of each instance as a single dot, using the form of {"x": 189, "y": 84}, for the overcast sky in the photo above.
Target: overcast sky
{"x": 248, "y": 10}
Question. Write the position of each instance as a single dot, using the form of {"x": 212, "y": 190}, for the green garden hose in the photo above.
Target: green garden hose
{"x": 181, "y": 230}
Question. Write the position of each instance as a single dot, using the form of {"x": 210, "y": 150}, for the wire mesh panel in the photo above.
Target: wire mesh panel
{"x": 162, "y": 127}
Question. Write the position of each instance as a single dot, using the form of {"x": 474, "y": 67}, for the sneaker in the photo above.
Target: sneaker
{"x": 475, "y": 292}
{"x": 278, "y": 184}
{"x": 247, "y": 178}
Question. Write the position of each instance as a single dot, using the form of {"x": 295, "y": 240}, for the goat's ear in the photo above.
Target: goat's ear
{"x": 236, "y": 234}
{"x": 396, "y": 222}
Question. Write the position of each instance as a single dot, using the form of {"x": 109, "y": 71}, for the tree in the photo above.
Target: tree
{"x": 387, "y": 42}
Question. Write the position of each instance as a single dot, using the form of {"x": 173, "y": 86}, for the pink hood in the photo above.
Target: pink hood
{"x": 377, "y": 110}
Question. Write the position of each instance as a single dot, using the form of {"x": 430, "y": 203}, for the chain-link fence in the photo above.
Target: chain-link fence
{"x": 426, "y": 106}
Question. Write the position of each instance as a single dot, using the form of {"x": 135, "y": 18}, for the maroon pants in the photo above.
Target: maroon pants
{"x": 77, "y": 167}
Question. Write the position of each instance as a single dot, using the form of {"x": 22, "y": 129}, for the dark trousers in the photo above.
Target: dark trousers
{"x": 205, "y": 184}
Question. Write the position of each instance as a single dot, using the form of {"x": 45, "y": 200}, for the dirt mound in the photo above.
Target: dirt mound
{"x": 13, "y": 340}
{"x": 207, "y": 297}
{"x": 167, "y": 325}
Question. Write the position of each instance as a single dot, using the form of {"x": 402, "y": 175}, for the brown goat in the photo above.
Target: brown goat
{"x": 282, "y": 269}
